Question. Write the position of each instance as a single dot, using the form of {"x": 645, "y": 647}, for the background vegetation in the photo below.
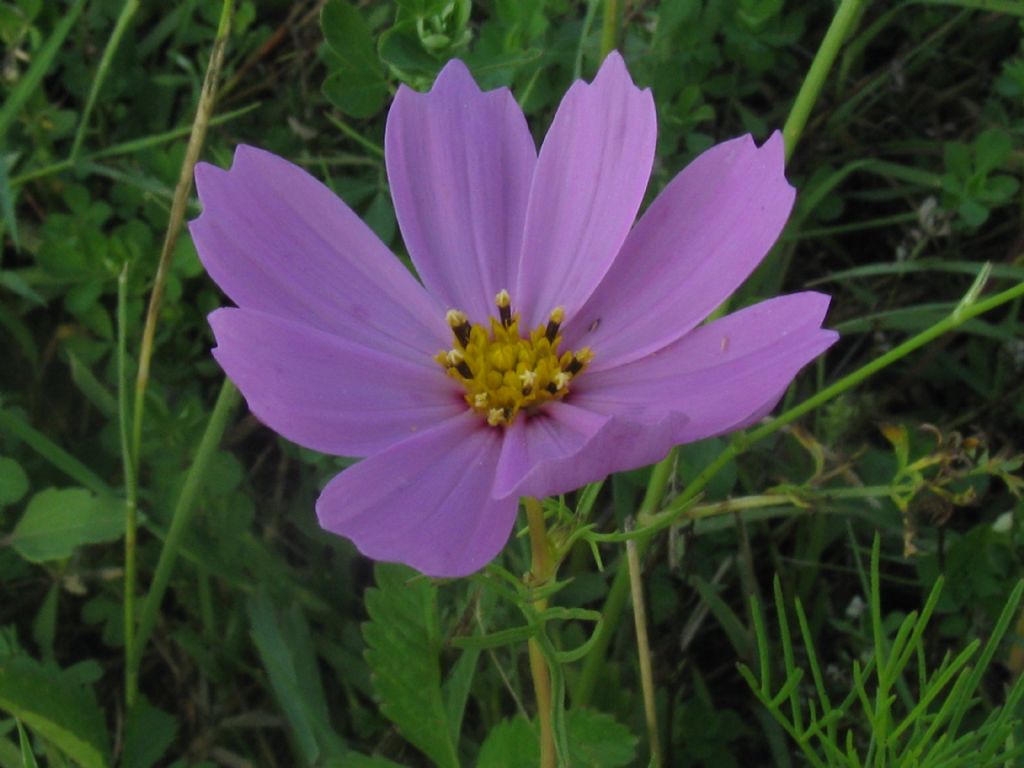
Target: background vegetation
{"x": 276, "y": 644}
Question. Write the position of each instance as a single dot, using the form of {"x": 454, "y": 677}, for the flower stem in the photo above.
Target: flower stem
{"x": 610, "y": 27}
{"x": 810, "y": 90}
{"x": 204, "y": 110}
{"x": 541, "y": 571}
{"x": 643, "y": 646}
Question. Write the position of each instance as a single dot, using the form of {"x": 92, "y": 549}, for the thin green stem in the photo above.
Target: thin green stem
{"x": 610, "y": 27}
{"x": 643, "y": 647}
{"x": 131, "y": 515}
{"x": 204, "y": 110}
{"x": 616, "y": 600}
{"x": 127, "y": 11}
{"x": 124, "y": 148}
{"x": 184, "y": 509}
{"x": 541, "y": 571}
{"x": 823, "y": 60}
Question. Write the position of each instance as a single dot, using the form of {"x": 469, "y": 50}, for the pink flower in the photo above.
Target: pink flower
{"x": 551, "y": 342}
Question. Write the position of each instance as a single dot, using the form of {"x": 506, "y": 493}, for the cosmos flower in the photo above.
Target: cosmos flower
{"x": 551, "y": 341}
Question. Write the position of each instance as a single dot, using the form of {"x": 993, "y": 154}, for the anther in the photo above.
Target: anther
{"x": 457, "y": 360}
{"x": 504, "y": 302}
{"x": 554, "y": 323}
{"x": 459, "y": 324}
{"x": 561, "y": 380}
{"x": 496, "y": 416}
{"x": 579, "y": 359}
{"x": 480, "y": 400}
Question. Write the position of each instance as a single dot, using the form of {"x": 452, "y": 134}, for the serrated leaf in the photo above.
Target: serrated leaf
{"x": 148, "y": 732}
{"x": 56, "y": 707}
{"x": 59, "y": 520}
{"x": 403, "y": 651}
{"x": 286, "y": 649}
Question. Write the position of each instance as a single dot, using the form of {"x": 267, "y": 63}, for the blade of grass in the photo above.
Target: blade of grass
{"x": 53, "y": 453}
{"x": 127, "y": 11}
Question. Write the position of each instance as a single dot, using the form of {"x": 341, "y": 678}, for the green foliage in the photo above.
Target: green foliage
{"x": 57, "y": 705}
{"x": 57, "y": 521}
{"x": 920, "y": 727}
{"x": 403, "y": 647}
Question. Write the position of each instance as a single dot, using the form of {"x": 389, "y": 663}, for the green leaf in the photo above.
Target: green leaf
{"x": 510, "y": 744}
{"x": 57, "y": 707}
{"x": 354, "y": 94}
{"x": 348, "y": 35}
{"x": 59, "y": 520}
{"x": 286, "y": 649}
{"x": 7, "y": 202}
{"x": 359, "y": 88}
{"x": 13, "y": 481}
{"x": 596, "y": 740}
{"x": 148, "y": 732}
{"x": 404, "y": 655}
{"x": 28, "y": 757}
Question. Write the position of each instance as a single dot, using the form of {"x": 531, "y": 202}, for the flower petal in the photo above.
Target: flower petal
{"x": 325, "y": 392}
{"x": 277, "y": 240}
{"x": 590, "y": 179}
{"x": 460, "y": 162}
{"x": 425, "y": 502}
{"x": 565, "y": 447}
{"x": 722, "y": 375}
{"x": 697, "y": 242}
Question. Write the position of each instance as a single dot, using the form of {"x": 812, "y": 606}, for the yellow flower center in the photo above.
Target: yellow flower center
{"x": 503, "y": 372}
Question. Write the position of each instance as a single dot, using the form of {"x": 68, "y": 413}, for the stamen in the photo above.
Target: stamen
{"x": 579, "y": 359}
{"x": 459, "y": 324}
{"x": 455, "y": 359}
{"x": 554, "y": 323}
{"x": 504, "y": 302}
{"x": 506, "y": 371}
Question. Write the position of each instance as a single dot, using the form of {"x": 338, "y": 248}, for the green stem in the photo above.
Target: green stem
{"x": 127, "y": 11}
{"x": 131, "y": 514}
{"x": 541, "y": 572}
{"x": 610, "y": 27}
{"x": 124, "y": 148}
{"x": 643, "y": 647}
{"x": 815, "y": 79}
{"x": 184, "y": 509}
{"x": 615, "y": 601}
{"x": 204, "y": 110}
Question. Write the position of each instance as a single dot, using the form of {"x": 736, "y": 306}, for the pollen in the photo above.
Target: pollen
{"x": 504, "y": 372}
